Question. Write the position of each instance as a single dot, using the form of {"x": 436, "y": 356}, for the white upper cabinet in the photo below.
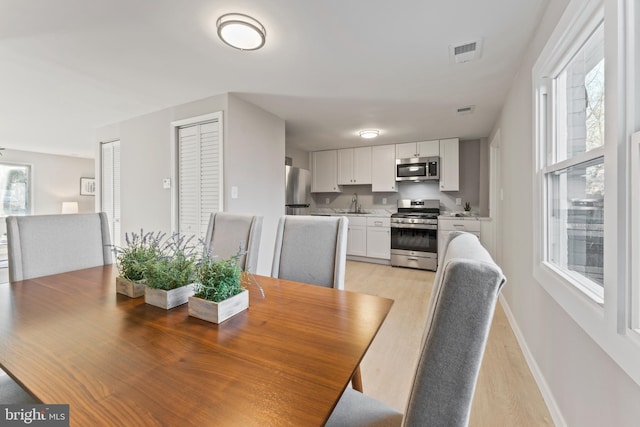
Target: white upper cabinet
{"x": 354, "y": 166}
{"x": 383, "y": 168}
{"x": 418, "y": 149}
{"x": 428, "y": 148}
{"x": 324, "y": 173}
{"x": 450, "y": 164}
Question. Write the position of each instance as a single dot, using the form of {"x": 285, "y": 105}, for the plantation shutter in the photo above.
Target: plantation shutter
{"x": 110, "y": 200}
{"x": 199, "y": 159}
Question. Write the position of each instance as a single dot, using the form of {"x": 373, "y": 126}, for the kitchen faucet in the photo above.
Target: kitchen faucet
{"x": 354, "y": 200}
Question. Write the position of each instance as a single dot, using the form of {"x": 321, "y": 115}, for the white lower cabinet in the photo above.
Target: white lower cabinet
{"x": 378, "y": 238}
{"x": 357, "y": 236}
{"x": 447, "y": 225}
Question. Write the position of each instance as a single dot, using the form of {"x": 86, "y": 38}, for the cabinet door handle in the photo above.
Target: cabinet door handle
{"x": 458, "y": 225}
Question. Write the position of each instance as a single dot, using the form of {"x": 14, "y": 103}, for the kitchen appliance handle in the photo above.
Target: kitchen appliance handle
{"x": 417, "y": 226}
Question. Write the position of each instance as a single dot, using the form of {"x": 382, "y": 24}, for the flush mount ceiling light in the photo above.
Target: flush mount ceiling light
{"x": 241, "y": 31}
{"x": 369, "y": 133}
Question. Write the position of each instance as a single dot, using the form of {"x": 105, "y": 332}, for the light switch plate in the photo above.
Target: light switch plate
{"x": 234, "y": 192}
{"x": 166, "y": 183}
{"x": 384, "y": 200}
{"x": 458, "y": 201}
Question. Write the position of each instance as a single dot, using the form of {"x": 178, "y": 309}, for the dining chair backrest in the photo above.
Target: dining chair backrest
{"x": 230, "y": 232}
{"x": 459, "y": 317}
{"x": 311, "y": 249}
{"x": 40, "y": 245}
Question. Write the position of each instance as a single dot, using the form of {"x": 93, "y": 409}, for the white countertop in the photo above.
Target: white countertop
{"x": 345, "y": 212}
{"x": 464, "y": 218}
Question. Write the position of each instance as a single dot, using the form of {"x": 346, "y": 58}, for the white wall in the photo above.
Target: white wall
{"x": 300, "y": 158}
{"x": 587, "y": 386}
{"x": 56, "y": 179}
{"x": 253, "y": 161}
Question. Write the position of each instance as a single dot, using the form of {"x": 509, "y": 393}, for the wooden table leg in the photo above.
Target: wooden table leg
{"x": 356, "y": 380}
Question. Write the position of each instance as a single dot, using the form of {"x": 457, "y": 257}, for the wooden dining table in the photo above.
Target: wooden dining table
{"x": 71, "y": 339}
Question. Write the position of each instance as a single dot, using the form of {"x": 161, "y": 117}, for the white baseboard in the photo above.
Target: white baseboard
{"x": 554, "y": 410}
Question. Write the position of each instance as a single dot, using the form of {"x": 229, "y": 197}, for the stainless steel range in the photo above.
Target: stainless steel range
{"x": 414, "y": 234}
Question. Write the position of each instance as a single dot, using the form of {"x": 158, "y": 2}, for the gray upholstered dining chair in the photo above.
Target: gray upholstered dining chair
{"x": 229, "y": 232}
{"x": 311, "y": 249}
{"x": 11, "y": 393}
{"x": 459, "y": 316}
{"x": 40, "y": 245}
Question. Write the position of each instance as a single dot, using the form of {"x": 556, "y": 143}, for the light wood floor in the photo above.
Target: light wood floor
{"x": 506, "y": 393}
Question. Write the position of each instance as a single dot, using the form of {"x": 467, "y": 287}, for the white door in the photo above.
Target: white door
{"x": 110, "y": 191}
{"x": 199, "y": 153}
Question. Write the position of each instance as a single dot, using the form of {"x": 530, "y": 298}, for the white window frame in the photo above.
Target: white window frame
{"x": 635, "y": 233}
{"x": 608, "y": 324}
{"x": 549, "y": 65}
{"x": 633, "y": 127}
{"x": 175, "y": 125}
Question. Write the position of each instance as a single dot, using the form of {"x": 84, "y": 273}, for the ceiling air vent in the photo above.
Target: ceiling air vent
{"x": 466, "y": 110}
{"x": 465, "y": 52}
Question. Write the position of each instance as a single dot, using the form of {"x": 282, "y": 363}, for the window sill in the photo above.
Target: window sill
{"x": 556, "y": 281}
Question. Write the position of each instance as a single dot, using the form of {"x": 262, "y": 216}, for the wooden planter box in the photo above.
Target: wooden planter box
{"x": 129, "y": 288}
{"x": 168, "y": 299}
{"x": 218, "y": 312}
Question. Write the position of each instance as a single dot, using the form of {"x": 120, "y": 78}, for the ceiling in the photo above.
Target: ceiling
{"x": 329, "y": 68}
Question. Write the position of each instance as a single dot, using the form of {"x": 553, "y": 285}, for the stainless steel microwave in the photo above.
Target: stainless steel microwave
{"x": 418, "y": 169}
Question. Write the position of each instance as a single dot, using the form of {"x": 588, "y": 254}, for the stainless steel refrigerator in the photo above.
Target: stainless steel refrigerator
{"x": 298, "y": 191}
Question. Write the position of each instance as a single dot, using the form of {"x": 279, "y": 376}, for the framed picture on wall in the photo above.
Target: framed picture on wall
{"x": 87, "y": 186}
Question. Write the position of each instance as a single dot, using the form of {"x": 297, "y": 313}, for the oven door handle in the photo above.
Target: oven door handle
{"x": 416, "y": 226}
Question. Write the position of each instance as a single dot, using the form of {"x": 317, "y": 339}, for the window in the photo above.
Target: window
{"x": 15, "y": 189}
{"x": 572, "y": 169}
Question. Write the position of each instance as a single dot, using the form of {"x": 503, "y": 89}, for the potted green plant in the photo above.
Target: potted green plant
{"x": 219, "y": 289}
{"x": 132, "y": 261}
{"x": 467, "y": 208}
{"x": 169, "y": 277}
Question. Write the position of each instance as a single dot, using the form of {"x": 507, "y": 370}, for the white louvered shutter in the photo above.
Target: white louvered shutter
{"x": 199, "y": 177}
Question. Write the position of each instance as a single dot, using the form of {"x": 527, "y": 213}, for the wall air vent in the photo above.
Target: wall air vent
{"x": 466, "y": 110}
{"x": 465, "y": 52}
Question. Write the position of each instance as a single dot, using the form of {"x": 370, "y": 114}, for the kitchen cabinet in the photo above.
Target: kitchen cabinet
{"x": 418, "y": 149}
{"x": 383, "y": 168}
{"x": 357, "y": 236}
{"x": 378, "y": 238}
{"x": 449, "y": 164}
{"x": 324, "y": 172}
{"x": 447, "y": 225}
{"x": 354, "y": 166}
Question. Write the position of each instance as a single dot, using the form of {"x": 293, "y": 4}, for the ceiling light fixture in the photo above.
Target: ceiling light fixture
{"x": 241, "y": 31}
{"x": 369, "y": 133}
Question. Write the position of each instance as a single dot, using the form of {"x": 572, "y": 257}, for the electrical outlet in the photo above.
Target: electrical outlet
{"x": 234, "y": 192}
{"x": 326, "y": 201}
{"x": 458, "y": 201}
{"x": 166, "y": 183}
{"x": 384, "y": 200}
